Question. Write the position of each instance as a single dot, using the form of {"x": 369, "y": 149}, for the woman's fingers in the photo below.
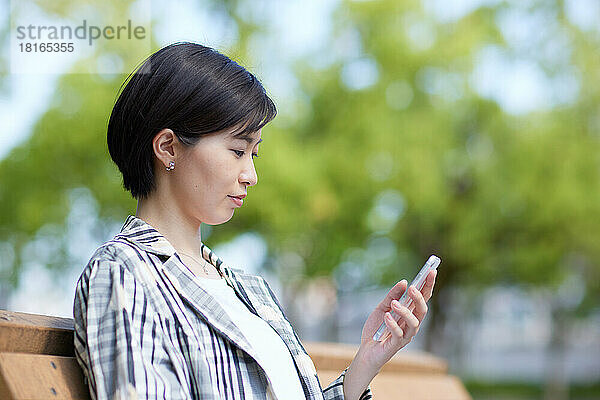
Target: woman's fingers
{"x": 399, "y": 288}
{"x": 394, "y": 328}
{"x": 429, "y": 283}
{"x": 393, "y": 294}
{"x": 411, "y": 321}
{"x": 419, "y": 302}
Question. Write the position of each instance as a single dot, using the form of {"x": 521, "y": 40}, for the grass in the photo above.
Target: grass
{"x": 482, "y": 390}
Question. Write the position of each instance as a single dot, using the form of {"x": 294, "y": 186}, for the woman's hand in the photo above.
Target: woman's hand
{"x": 376, "y": 353}
{"x": 372, "y": 355}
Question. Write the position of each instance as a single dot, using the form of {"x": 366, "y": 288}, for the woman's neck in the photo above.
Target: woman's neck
{"x": 183, "y": 234}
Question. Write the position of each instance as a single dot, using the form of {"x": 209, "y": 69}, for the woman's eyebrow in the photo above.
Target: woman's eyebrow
{"x": 248, "y": 139}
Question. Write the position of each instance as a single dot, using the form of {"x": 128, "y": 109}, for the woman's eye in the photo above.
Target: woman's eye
{"x": 240, "y": 153}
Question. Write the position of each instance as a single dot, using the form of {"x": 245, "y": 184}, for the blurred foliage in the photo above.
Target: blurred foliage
{"x": 525, "y": 391}
{"x": 377, "y": 177}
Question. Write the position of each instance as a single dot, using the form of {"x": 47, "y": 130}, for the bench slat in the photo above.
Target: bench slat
{"x": 26, "y": 376}
{"x": 39, "y": 334}
{"x": 34, "y": 376}
{"x": 337, "y": 357}
{"x": 413, "y": 386}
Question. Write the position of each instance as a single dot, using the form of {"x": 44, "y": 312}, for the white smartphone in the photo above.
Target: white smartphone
{"x": 419, "y": 281}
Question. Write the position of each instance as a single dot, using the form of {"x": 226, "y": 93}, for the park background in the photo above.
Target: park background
{"x": 468, "y": 129}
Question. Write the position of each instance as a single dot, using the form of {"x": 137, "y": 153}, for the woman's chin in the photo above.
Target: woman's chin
{"x": 219, "y": 220}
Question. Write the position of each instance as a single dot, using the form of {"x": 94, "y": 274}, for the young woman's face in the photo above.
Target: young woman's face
{"x": 213, "y": 172}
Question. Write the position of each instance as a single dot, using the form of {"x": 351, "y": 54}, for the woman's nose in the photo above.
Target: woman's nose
{"x": 248, "y": 176}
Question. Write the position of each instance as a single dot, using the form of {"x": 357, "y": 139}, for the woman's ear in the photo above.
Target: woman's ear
{"x": 165, "y": 145}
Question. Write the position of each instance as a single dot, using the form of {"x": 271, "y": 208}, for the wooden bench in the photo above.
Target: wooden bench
{"x": 37, "y": 362}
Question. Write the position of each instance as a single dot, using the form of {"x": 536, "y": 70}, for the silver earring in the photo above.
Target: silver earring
{"x": 171, "y": 166}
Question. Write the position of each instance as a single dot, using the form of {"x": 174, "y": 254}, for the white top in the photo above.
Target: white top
{"x": 275, "y": 358}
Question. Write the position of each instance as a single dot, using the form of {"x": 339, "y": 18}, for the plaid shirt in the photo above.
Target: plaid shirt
{"x": 144, "y": 327}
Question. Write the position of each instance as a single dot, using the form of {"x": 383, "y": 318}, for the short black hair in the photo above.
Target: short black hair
{"x": 189, "y": 88}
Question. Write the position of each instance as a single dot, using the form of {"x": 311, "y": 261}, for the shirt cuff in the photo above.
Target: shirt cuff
{"x": 335, "y": 391}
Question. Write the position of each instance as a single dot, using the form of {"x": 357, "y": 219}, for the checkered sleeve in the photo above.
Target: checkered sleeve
{"x": 335, "y": 390}
{"x": 118, "y": 337}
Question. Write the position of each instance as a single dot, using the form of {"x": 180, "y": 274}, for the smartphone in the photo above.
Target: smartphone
{"x": 419, "y": 281}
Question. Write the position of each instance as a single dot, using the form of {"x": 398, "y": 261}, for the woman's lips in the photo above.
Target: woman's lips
{"x": 237, "y": 200}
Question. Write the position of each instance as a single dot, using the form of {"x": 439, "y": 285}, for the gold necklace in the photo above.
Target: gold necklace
{"x": 195, "y": 259}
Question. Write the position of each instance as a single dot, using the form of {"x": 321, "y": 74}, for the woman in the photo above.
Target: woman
{"x": 157, "y": 313}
